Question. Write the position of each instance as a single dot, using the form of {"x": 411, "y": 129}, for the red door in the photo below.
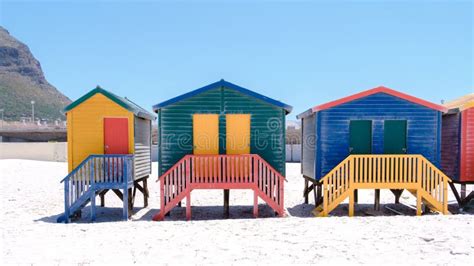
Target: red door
{"x": 115, "y": 135}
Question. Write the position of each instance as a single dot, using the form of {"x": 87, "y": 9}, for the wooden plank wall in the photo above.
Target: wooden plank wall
{"x": 424, "y": 131}
{"x": 467, "y": 138}
{"x": 267, "y": 126}
{"x": 450, "y": 145}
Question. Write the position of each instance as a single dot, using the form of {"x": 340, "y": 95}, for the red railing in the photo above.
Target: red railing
{"x": 246, "y": 171}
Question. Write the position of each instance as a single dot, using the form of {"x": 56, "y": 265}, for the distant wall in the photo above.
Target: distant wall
{"x": 42, "y": 151}
{"x": 293, "y": 152}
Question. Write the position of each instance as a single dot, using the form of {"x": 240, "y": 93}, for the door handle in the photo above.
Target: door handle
{"x": 106, "y": 147}
{"x": 350, "y": 149}
{"x": 404, "y": 150}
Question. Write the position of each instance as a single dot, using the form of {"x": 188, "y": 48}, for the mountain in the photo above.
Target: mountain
{"x": 22, "y": 81}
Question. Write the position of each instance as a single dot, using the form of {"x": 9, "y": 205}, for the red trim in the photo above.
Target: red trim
{"x": 380, "y": 89}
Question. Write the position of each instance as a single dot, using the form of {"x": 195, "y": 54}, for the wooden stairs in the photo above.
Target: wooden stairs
{"x": 411, "y": 172}
{"x": 247, "y": 171}
{"x": 94, "y": 175}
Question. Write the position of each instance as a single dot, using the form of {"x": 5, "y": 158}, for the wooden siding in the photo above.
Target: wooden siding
{"x": 86, "y": 130}
{"x": 333, "y": 133}
{"x": 175, "y": 126}
{"x": 308, "y": 139}
{"x": 450, "y": 145}
{"x": 142, "y": 147}
{"x": 467, "y": 144}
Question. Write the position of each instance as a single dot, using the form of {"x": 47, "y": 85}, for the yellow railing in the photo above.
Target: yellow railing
{"x": 412, "y": 172}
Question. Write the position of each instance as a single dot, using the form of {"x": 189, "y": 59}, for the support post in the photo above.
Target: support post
{"x": 305, "y": 191}
{"x": 377, "y": 200}
{"x": 145, "y": 192}
{"x": 351, "y": 204}
{"x": 125, "y": 203}
{"x": 102, "y": 199}
{"x": 67, "y": 182}
{"x": 125, "y": 192}
{"x": 418, "y": 202}
{"x": 226, "y": 203}
{"x": 92, "y": 191}
{"x": 255, "y": 204}
{"x": 188, "y": 206}
{"x": 463, "y": 191}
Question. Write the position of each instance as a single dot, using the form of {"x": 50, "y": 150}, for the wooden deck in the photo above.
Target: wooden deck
{"x": 96, "y": 175}
{"x": 248, "y": 171}
{"x": 395, "y": 172}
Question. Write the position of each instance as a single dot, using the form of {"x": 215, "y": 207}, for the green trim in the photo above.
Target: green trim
{"x": 125, "y": 103}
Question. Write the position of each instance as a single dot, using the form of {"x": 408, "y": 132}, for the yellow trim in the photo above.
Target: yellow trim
{"x": 206, "y": 134}
{"x": 238, "y": 133}
{"x": 467, "y": 105}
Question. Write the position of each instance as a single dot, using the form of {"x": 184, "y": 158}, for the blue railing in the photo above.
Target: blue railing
{"x": 95, "y": 173}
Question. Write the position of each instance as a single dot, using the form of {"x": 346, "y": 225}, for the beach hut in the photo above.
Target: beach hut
{"x": 109, "y": 149}
{"x": 375, "y": 139}
{"x": 221, "y": 136}
{"x": 457, "y": 151}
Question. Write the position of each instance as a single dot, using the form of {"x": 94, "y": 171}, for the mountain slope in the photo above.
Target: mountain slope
{"x": 22, "y": 80}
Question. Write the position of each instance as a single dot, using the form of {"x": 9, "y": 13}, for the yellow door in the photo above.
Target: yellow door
{"x": 206, "y": 134}
{"x": 238, "y": 134}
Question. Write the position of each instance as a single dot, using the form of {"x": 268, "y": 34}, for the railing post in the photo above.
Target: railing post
{"x": 325, "y": 196}
{"x": 419, "y": 171}
{"x": 255, "y": 170}
{"x": 92, "y": 189}
{"x": 188, "y": 173}
{"x": 66, "y": 200}
{"x": 445, "y": 195}
{"x": 282, "y": 195}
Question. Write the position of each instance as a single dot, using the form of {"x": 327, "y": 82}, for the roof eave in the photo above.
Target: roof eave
{"x": 380, "y": 89}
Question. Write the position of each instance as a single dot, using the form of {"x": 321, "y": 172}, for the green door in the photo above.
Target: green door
{"x": 360, "y": 137}
{"x": 395, "y": 137}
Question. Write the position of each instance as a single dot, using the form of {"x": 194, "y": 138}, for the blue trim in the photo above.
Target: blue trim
{"x": 226, "y": 84}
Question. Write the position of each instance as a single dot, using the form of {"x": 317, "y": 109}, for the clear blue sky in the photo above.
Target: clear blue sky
{"x": 303, "y": 53}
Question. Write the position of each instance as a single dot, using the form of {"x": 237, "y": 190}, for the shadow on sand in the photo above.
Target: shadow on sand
{"x": 199, "y": 213}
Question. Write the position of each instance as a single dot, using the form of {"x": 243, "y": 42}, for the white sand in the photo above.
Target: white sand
{"x": 32, "y": 198}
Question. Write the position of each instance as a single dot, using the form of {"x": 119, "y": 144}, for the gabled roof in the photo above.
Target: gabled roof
{"x": 461, "y": 103}
{"x": 226, "y": 84}
{"x": 366, "y": 93}
{"x": 124, "y": 102}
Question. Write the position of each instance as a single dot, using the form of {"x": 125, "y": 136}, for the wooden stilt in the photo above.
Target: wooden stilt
{"x": 179, "y": 204}
{"x": 130, "y": 202}
{"x": 463, "y": 191}
{"x": 305, "y": 191}
{"x": 377, "y": 200}
{"x": 320, "y": 194}
{"x": 146, "y": 193}
{"x": 102, "y": 197}
{"x": 188, "y": 206}
{"x": 226, "y": 202}
{"x": 397, "y": 193}
{"x": 255, "y": 204}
